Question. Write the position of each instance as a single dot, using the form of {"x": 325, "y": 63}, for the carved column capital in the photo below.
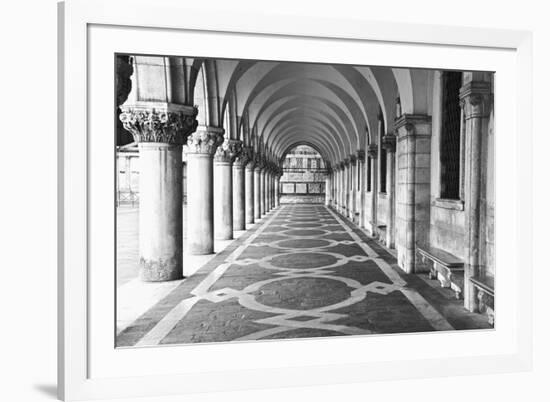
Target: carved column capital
{"x": 352, "y": 160}
{"x": 228, "y": 151}
{"x": 413, "y": 125}
{"x": 361, "y": 155}
{"x": 372, "y": 151}
{"x": 346, "y": 162}
{"x": 476, "y": 99}
{"x": 205, "y": 140}
{"x": 243, "y": 158}
{"x": 170, "y": 124}
{"x": 388, "y": 142}
{"x": 251, "y": 162}
{"x": 259, "y": 161}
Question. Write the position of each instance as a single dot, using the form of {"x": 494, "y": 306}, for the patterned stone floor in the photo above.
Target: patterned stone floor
{"x": 304, "y": 271}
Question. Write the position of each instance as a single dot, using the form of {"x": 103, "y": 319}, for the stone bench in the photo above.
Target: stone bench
{"x": 485, "y": 295}
{"x": 446, "y": 267}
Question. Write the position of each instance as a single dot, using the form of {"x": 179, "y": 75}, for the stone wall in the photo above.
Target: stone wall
{"x": 447, "y": 217}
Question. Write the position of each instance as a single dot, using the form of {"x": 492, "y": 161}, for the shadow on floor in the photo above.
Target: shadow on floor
{"x": 49, "y": 390}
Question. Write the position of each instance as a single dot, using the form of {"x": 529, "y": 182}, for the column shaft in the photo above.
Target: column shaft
{"x": 238, "y": 197}
{"x": 277, "y": 184}
{"x": 160, "y": 212}
{"x": 390, "y": 229}
{"x": 475, "y": 97}
{"x": 249, "y": 193}
{"x": 262, "y": 192}
{"x": 200, "y": 204}
{"x": 257, "y": 193}
{"x": 374, "y": 197}
{"x": 223, "y": 197}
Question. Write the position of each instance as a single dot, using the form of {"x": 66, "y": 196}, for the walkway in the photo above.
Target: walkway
{"x": 304, "y": 271}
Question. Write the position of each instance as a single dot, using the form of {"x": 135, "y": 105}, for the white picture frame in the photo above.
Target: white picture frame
{"x": 79, "y": 377}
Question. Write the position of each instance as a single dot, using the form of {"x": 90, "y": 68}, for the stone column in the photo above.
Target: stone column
{"x": 201, "y": 147}
{"x": 388, "y": 143}
{"x": 223, "y": 188}
{"x": 257, "y": 189}
{"x": 413, "y": 188}
{"x": 366, "y": 207}
{"x": 475, "y": 99}
{"x": 337, "y": 191}
{"x": 372, "y": 151}
{"x": 268, "y": 190}
{"x": 239, "y": 192}
{"x": 249, "y": 191}
{"x": 262, "y": 191}
{"x": 327, "y": 189}
{"x": 360, "y": 187}
{"x": 160, "y": 135}
{"x": 352, "y": 188}
{"x": 342, "y": 189}
{"x": 345, "y": 184}
{"x": 277, "y": 184}
{"x": 272, "y": 188}
{"x": 336, "y": 187}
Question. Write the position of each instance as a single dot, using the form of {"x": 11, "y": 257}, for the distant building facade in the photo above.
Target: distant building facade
{"x": 303, "y": 179}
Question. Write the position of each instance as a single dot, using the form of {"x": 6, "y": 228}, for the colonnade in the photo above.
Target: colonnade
{"x": 229, "y": 186}
{"x": 388, "y": 168}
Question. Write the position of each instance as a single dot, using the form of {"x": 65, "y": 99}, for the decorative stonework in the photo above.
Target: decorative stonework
{"x": 476, "y": 99}
{"x": 361, "y": 155}
{"x": 205, "y": 140}
{"x": 372, "y": 151}
{"x": 228, "y": 150}
{"x": 259, "y": 161}
{"x": 243, "y": 158}
{"x": 171, "y": 127}
{"x": 124, "y": 71}
{"x": 352, "y": 160}
{"x": 346, "y": 162}
{"x": 412, "y": 125}
{"x": 388, "y": 142}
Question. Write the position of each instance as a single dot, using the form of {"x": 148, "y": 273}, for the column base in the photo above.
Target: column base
{"x": 159, "y": 270}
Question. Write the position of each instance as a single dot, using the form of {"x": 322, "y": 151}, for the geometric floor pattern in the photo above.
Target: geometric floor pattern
{"x": 303, "y": 272}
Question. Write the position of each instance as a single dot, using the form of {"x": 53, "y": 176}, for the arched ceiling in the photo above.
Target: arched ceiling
{"x": 273, "y": 106}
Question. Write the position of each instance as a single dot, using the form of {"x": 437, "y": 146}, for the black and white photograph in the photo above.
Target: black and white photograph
{"x": 262, "y": 199}
{"x": 295, "y": 200}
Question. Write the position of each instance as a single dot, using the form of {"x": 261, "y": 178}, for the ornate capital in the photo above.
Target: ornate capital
{"x": 361, "y": 155}
{"x": 346, "y": 162}
{"x": 228, "y": 150}
{"x": 244, "y": 157}
{"x": 205, "y": 140}
{"x": 259, "y": 161}
{"x": 372, "y": 151}
{"x": 413, "y": 125}
{"x": 166, "y": 126}
{"x": 476, "y": 99}
{"x": 388, "y": 142}
{"x": 352, "y": 160}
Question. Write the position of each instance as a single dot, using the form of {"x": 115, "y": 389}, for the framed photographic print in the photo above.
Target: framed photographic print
{"x": 246, "y": 196}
